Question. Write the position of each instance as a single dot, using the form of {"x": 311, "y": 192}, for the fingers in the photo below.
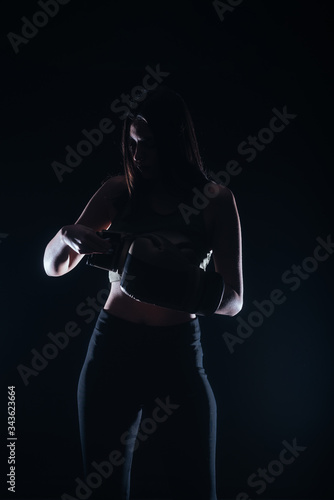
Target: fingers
{"x": 84, "y": 240}
{"x": 93, "y": 243}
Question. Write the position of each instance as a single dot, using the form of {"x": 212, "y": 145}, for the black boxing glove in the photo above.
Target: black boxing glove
{"x": 156, "y": 272}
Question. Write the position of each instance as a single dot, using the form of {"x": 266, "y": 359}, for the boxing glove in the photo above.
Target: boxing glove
{"x": 156, "y": 272}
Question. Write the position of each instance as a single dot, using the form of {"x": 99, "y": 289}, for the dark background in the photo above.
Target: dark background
{"x": 275, "y": 386}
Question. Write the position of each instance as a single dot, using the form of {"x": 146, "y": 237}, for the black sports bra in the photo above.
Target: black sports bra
{"x": 188, "y": 234}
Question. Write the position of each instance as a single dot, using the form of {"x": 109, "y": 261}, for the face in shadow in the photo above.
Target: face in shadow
{"x": 144, "y": 149}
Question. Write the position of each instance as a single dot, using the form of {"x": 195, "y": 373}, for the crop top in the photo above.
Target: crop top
{"x": 190, "y": 236}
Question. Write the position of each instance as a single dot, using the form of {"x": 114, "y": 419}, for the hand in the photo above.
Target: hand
{"x": 84, "y": 240}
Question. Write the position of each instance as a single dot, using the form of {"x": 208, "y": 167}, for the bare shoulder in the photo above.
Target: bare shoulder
{"x": 221, "y": 199}
{"x": 222, "y": 194}
{"x": 114, "y": 186}
{"x": 109, "y": 194}
{"x": 102, "y": 207}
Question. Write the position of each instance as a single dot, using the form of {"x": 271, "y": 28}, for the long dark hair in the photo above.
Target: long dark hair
{"x": 170, "y": 121}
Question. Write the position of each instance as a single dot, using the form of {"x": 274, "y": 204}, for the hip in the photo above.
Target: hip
{"x": 115, "y": 337}
{"x": 142, "y": 358}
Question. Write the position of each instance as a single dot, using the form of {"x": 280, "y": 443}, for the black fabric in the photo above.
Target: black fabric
{"x": 197, "y": 291}
{"x": 146, "y": 220}
{"x": 154, "y": 373}
{"x": 157, "y": 285}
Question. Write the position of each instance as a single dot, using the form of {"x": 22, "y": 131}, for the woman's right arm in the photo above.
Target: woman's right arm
{"x": 72, "y": 242}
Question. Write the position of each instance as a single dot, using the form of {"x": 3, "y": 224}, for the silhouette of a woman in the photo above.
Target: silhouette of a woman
{"x": 143, "y": 376}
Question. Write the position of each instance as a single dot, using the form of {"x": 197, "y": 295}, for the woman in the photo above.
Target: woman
{"x": 145, "y": 356}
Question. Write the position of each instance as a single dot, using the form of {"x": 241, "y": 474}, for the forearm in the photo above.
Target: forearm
{"x": 59, "y": 258}
{"x": 231, "y": 303}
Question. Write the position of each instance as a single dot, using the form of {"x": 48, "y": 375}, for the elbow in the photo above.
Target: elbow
{"x": 48, "y": 262}
{"x": 49, "y": 271}
{"x": 231, "y": 306}
{"x": 50, "y": 267}
{"x": 237, "y": 305}
{"x": 233, "y": 310}
{"x": 46, "y": 265}
{"x": 236, "y": 308}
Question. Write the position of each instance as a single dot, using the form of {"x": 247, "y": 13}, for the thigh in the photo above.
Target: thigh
{"x": 189, "y": 448}
{"x": 109, "y": 416}
{"x": 186, "y": 438}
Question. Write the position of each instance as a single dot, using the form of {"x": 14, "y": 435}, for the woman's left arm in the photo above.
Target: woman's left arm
{"x": 227, "y": 250}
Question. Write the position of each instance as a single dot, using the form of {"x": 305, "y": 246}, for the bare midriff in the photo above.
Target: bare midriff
{"x": 121, "y": 305}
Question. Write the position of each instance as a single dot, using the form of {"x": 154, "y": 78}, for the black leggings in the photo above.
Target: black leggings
{"x": 141, "y": 383}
